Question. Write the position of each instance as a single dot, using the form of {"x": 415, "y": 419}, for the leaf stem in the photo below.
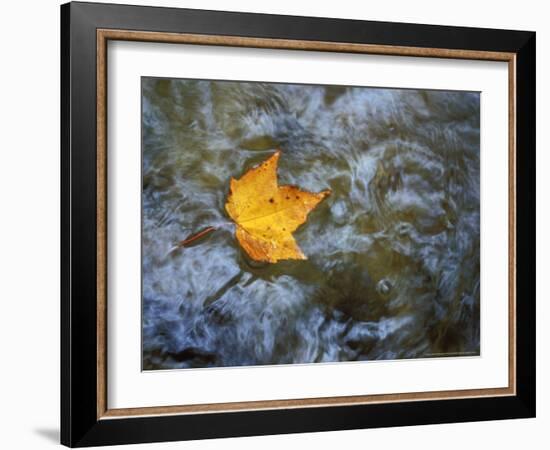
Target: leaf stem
{"x": 190, "y": 239}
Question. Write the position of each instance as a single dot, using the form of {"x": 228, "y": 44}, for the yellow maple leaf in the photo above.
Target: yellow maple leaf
{"x": 266, "y": 214}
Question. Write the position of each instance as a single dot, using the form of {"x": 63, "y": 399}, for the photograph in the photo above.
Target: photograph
{"x": 299, "y": 223}
{"x": 281, "y": 220}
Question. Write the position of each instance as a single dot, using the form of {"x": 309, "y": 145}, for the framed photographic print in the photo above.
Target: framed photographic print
{"x": 276, "y": 224}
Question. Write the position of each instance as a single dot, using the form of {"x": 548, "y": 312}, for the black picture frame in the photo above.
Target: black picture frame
{"x": 80, "y": 425}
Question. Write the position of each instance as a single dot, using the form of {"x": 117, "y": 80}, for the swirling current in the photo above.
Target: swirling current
{"x": 393, "y": 253}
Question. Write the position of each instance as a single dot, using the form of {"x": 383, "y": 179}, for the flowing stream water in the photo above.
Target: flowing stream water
{"x": 393, "y": 253}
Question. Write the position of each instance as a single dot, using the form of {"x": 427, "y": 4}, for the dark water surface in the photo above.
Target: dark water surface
{"x": 393, "y": 253}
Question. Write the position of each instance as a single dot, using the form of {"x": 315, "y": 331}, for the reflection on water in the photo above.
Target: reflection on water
{"x": 393, "y": 268}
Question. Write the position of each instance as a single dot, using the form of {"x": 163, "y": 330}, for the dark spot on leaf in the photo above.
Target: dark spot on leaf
{"x": 271, "y": 200}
